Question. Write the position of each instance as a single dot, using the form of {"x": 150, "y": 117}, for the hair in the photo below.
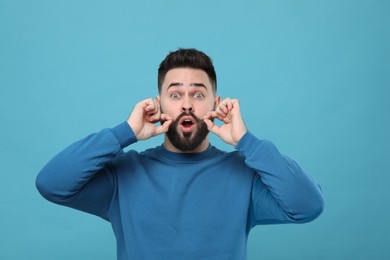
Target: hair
{"x": 187, "y": 58}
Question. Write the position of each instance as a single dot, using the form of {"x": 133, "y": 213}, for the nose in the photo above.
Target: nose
{"x": 187, "y": 106}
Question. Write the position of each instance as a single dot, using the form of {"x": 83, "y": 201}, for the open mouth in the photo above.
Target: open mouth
{"x": 187, "y": 123}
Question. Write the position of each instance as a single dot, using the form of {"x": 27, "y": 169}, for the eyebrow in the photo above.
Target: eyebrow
{"x": 178, "y": 84}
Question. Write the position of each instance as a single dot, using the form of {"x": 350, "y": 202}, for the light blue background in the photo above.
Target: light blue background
{"x": 312, "y": 76}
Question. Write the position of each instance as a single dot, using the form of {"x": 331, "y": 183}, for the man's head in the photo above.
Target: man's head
{"x": 187, "y": 58}
{"x": 187, "y": 88}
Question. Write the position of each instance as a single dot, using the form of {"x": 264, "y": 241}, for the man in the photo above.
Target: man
{"x": 184, "y": 199}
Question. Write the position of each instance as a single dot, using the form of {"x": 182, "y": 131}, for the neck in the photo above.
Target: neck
{"x": 170, "y": 147}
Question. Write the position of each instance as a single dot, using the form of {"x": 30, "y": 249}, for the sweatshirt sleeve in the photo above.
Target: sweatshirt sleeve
{"x": 282, "y": 192}
{"x": 81, "y": 176}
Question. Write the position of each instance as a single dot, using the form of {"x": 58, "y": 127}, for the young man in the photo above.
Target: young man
{"x": 184, "y": 199}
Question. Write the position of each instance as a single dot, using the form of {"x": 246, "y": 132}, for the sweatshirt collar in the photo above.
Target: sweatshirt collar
{"x": 185, "y": 157}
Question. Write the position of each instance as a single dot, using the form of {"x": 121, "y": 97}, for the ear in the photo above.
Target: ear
{"x": 217, "y": 100}
{"x": 159, "y": 102}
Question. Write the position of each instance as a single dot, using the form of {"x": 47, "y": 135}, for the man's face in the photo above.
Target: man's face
{"x": 187, "y": 95}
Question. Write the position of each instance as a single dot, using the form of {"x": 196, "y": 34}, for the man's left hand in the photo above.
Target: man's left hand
{"x": 233, "y": 129}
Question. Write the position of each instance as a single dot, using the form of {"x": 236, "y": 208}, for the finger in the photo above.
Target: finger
{"x": 213, "y": 114}
{"x": 222, "y": 108}
{"x": 165, "y": 126}
{"x": 154, "y": 118}
{"x": 210, "y": 115}
{"x": 157, "y": 117}
{"x": 226, "y": 120}
{"x": 151, "y": 107}
{"x": 165, "y": 117}
{"x": 230, "y": 105}
{"x": 147, "y": 103}
{"x": 220, "y": 113}
{"x": 211, "y": 126}
{"x": 220, "y": 117}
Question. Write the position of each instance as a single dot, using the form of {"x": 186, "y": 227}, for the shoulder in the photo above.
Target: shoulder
{"x": 229, "y": 159}
{"x": 136, "y": 155}
{"x": 230, "y": 155}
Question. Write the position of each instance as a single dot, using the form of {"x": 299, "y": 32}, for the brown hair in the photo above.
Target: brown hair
{"x": 187, "y": 58}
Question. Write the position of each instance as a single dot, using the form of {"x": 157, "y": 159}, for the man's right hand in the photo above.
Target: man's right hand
{"x": 144, "y": 117}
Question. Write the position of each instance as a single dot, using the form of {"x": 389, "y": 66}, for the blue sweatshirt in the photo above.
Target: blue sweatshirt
{"x": 165, "y": 205}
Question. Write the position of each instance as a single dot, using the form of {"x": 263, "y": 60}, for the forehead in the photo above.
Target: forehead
{"x": 186, "y": 77}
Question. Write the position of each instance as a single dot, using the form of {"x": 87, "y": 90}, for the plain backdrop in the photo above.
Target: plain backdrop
{"x": 311, "y": 76}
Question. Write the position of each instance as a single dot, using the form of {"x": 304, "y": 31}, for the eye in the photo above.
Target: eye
{"x": 198, "y": 95}
{"x": 175, "y": 95}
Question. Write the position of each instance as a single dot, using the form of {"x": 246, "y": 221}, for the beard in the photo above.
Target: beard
{"x": 188, "y": 141}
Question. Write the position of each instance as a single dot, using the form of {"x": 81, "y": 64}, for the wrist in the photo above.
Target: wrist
{"x": 240, "y": 136}
{"x": 134, "y": 128}
{"x": 124, "y": 134}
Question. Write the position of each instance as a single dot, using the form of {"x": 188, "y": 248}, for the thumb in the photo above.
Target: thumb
{"x": 211, "y": 126}
{"x": 163, "y": 128}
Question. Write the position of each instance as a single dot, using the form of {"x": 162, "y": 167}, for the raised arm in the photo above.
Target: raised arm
{"x": 82, "y": 175}
{"x": 282, "y": 192}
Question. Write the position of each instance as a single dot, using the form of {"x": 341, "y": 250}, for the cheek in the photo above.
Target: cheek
{"x": 202, "y": 110}
{"x": 168, "y": 110}
{"x": 164, "y": 108}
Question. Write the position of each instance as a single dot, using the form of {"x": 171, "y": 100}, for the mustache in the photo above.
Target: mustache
{"x": 189, "y": 113}
{"x": 186, "y": 113}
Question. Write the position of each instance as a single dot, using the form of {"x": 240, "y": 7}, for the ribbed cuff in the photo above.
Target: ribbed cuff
{"x": 124, "y": 134}
{"x": 246, "y": 145}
